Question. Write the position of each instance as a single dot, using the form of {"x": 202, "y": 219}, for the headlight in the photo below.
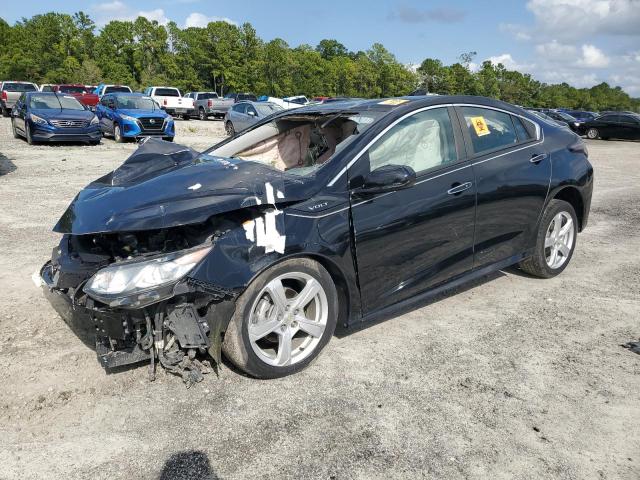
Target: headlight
{"x": 94, "y": 120}
{"x": 142, "y": 282}
{"x": 128, "y": 118}
{"x": 576, "y": 124}
{"x": 38, "y": 120}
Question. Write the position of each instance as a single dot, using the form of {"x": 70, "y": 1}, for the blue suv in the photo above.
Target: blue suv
{"x": 133, "y": 115}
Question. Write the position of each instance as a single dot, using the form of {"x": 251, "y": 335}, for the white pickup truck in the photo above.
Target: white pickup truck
{"x": 172, "y": 102}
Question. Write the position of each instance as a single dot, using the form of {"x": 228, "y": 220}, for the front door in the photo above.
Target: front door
{"x": 513, "y": 171}
{"x": 411, "y": 239}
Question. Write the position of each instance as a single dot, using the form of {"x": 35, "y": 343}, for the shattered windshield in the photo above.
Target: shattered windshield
{"x": 299, "y": 143}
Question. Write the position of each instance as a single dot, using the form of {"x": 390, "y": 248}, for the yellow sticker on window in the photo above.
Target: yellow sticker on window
{"x": 480, "y": 126}
{"x": 393, "y": 101}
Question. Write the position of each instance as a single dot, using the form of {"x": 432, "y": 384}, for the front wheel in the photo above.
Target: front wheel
{"x": 27, "y": 133}
{"x": 555, "y": 243}
{"x": 593, "y": 133}
{"x": 283, "y": 319}
{"x": 117, "y": 133}
{"x": 229, "y": 128}
{"x": 13, "y": 129}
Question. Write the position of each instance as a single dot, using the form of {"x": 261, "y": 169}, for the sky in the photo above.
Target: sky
{"x": 581, "y": 42}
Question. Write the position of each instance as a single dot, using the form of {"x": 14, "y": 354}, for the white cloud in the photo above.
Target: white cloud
{"x": 593, "y": 57}
{"x": 157, "y": 15}
{"x": 196, "y": 19}
{"x": 509, "y": 63}
{"x": 117, "y": 10}
{"x": 580, "y": 18}
{"x": 520, "y": 32}
{"x": 555, "y": 50}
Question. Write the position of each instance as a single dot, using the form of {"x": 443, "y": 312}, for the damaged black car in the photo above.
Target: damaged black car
{"x": 326, "y": 215}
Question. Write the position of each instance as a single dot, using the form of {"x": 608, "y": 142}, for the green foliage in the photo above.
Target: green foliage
{"x": 55, "y": 47}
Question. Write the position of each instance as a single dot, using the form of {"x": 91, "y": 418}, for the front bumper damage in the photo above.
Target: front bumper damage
{"x": 177, "y": 332}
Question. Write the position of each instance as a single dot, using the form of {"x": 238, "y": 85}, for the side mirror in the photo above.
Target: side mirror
{"x": 251, "y": 114}
{"x": 388, "y": 178}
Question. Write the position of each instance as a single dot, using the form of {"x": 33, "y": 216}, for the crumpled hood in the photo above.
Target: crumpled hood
{"x": 166, "y": 185}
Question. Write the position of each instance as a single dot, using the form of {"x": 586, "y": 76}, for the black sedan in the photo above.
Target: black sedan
{"x": 324, "y": 215}
{"x": 53, "y": 117}
{"x": 613, "y": 125}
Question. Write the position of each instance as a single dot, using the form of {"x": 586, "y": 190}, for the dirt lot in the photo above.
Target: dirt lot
{"x": 512, "y": 377}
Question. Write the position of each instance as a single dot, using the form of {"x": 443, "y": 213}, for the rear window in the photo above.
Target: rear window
{"x": 207, "y": 96}
{"x": 167, "y": 92}
{"x": 19, "y": 87}
{"x": 72, "y": 89}
{"x": 243, "y": 96}
{"x": 521, "y": 131}
{"x": 115, "y": 88}
{"x": 47, "y": 88}
{"x": 489, "y": 129}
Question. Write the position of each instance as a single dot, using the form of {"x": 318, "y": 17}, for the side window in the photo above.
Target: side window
{"x": 104, "y": 101}
{"x": 251, "y": 110}
{"x": 240, "y": 107}
{"x": 422, "y": 141}
{"x": 489, "y": 129}
{"x": 521, "y": 131}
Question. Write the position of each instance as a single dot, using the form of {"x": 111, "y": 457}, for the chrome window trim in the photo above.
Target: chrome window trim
{"x": 539, "y": 134}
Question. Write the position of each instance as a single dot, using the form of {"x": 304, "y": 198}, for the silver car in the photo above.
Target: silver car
{"x": 244, "y": 114}
{"x": 10, "y": 91}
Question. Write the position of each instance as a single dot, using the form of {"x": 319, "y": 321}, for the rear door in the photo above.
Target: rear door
{"x": 629, "y": 127}
{"x": 513, "y": 172}
{"x": 411, "y": 239}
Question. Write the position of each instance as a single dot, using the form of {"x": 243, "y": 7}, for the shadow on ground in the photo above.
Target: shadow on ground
{"x": 188, "y": 465}
{"x": 6, "y": 165}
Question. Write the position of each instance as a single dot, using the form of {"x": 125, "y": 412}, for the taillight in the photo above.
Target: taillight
{"x": 210, "y": 103}
{"x": 164, "y": 102}
{"x": 4, "y": 95}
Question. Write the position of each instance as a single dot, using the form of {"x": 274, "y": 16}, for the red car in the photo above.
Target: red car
{"x": 80, "y": 92}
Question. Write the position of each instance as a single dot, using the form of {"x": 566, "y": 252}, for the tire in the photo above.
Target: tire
{"x": 93, "y": 143}
{"x": 13, "y": 129}
{"x": 543, "y": 263}
{"x": 201, "y": 114}
{"x": 5, "y": 111}
{"x": 27, "y": 133}
{"x": 117, "y": 133}
{"x": 265, "y": 357}
{"x": 229, "y": 129}
{"x": 592, "y": 133}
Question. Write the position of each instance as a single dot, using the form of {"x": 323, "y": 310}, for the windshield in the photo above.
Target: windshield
{"x": 267, "y": 109}
{"x": 54, "y": 102}
{"x": 299, "y": 144}
{"x": 72, "y": 89}
{"x": 244, "y": 96}
{"x": 566, "y": 117}
{"x": 136, "y": 103}
{"x": 115, "y": 88}
{"x": 19, "y": 87}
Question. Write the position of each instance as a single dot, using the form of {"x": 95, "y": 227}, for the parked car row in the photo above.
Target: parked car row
{"x": 609, "y": 124}
{"x": 56, "y": 116}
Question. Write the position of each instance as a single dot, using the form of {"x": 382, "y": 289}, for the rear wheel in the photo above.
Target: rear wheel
{"x": 282, "y": 320}
{"x": 117, "y": 133}
{"x": 229, "y": 128}
{"x": 593, "y": 133}
{"x": 555, "y": 243}
{"x": 201, "y": 114}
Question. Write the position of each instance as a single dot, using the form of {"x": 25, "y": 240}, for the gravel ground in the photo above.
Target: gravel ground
{"x": 512, "y": 377}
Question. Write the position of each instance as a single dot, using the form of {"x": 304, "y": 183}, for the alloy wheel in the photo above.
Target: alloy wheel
{"x": 117, "y": 135}
{"x": 559, "y": 239}
{"x": 230, "y": 130}
{"x": 592, "y": 133}
{"x": 288, "y": 319}
{"x": 201, "y": 114}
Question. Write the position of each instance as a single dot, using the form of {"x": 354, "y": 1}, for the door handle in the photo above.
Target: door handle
{"x": 537, "y": 158}
{"x": 457, "y": 188}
